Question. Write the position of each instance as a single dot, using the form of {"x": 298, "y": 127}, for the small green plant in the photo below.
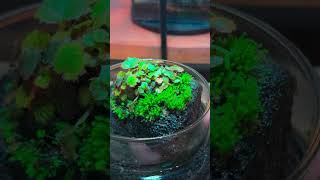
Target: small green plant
{"x": 55, "y": 126}
{"x": 148, "y": 88}
{"x": 234, "y": 86}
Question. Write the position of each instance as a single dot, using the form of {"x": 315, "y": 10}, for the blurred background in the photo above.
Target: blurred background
{"x": 135, "y": 31}
{"x": 10, "y": 5}
{"x": 298, "y": 21}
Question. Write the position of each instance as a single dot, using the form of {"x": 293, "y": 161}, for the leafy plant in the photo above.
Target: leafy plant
{"x": 69, "y": 61}
{"x": 148, "y": 88}
{"x": 55, "y": 126}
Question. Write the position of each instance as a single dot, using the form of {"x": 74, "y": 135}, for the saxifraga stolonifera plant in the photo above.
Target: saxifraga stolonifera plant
{"x": 148, "y": 89}
{"x": 54, "y": 116}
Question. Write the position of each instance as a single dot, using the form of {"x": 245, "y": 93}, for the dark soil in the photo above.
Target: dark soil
{"x": 266, "y": 154}
{"x": 165, "y": 125}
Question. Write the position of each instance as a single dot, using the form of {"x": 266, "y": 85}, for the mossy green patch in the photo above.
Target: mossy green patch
{"x": 234, "y": 90}
{"x": 148, "y": 89}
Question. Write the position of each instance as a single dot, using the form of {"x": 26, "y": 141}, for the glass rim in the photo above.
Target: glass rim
{"x": 305, "y": 67}
{"x": 182, "y": 131}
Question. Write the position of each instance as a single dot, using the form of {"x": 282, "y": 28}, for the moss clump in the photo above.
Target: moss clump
{"x": 149, "y": 88}
{"x": 234, "y": 88}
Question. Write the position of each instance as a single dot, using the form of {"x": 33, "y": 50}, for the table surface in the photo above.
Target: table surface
{"x": 128, "y": 39}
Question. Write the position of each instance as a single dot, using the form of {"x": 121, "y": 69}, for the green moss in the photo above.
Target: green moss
{"x": 31, "y": 159}
{"x": 148, "y": 89}
{"x": 234, "y": 90}
{"x": 94, "y": 154}
{"x": 148, "y": 107}
{"x": 23, "y": 98}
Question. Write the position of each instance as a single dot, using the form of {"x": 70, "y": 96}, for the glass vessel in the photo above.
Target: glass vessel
{"x": 182, "y": 155}
{"x": 183, "y": 16}
{"x": 304, "y": 134}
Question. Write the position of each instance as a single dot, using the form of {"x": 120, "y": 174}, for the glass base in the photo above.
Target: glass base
{"x": 198, "y": 167}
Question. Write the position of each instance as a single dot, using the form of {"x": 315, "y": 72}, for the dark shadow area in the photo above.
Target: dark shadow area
{"x": 299, "y": 25}
{"x": 15, "y": 4}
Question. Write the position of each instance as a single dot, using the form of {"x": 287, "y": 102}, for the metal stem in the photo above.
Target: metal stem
{"x": 163, "y": 28}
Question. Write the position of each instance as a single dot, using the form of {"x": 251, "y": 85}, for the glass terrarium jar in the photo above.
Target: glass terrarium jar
{"x": 181, "y": 155}
{"x": 183, "y": 16}
{"x": 303, "y": 132}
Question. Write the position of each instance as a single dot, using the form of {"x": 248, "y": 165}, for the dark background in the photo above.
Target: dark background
{"x": 8, "y": 5}
{"x": 298, "y": 20}
{"x": 299, "y": 23}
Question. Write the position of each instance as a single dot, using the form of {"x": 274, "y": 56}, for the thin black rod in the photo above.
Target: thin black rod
{"x": 163, "y": 28}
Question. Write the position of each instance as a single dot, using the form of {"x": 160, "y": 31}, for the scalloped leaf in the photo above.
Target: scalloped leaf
{"x": 56, "y": 11}
{"x": 151, "y": 67}
{"x": 70, "y": 60}
{"x": 56, "y": 41}
{"x": 132, "y": 80}
{"x": 97, "y": 36}
{"x": 130, "y": 62}
{"x": 143, "y": 65}
{"x": 36, "y": 40}
{"x": 168, "y": 73}
{"x": 143, "y": 88}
